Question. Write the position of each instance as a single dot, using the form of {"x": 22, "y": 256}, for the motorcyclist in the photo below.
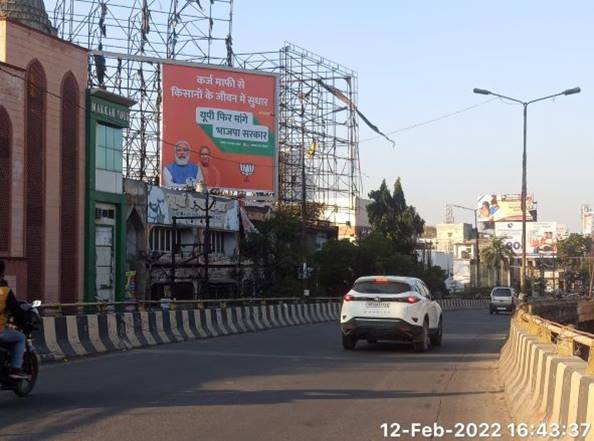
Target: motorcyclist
{"x": 10, "y": 306}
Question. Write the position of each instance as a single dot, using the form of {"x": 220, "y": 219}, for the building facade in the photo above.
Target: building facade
{"x": 42, "y": 133}
{"x": 448, "y": 235}
{"x": 105, "y": 217}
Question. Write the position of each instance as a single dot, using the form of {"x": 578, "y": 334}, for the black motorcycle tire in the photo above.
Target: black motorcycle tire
{"x": 31, "y": 367}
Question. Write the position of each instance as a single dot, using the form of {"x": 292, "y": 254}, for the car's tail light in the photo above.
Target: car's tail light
{"x": 412, "y": 299}
{"x": 348, "y": 298}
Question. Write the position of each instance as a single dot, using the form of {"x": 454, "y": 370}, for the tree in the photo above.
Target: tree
{"x": 496, "y": 254}
{"x": 573, "y": 253}
{"x": 275, "y": 253}
{"x": 335, "y": 266}
{"x": 390, "y": 216}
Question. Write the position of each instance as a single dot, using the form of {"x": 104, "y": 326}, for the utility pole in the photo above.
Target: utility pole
{"x": 303, "y": 200}
{"x": 173, "y": 251}
{"x": 478, "y": 251}
{"x": 206, "y": 239}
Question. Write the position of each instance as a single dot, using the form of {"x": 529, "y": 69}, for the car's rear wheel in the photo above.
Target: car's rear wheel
{"x": 438, "y": 336}
{"x": 422, "y": 344}
{"x": 348, "y": 342}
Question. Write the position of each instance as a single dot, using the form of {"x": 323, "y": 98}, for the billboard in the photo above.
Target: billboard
{"x": 219, "y": 126}
{"x": 461, "y": 269}
{"x": 541, "y": 237}
{"x": 495, "y": 207}
{"x": 164, "y": 204}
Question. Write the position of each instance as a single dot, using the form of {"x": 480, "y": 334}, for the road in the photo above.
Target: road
{"x": 292, "y": 383}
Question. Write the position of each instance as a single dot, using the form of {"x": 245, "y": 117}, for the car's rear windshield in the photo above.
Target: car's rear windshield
{"x": 381, "y": 287}
{"x": 502, "y": 292}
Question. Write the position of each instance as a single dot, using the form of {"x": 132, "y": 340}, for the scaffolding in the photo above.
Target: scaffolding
{"x": 129, "y": 41}
{"x": 318, "y": 131}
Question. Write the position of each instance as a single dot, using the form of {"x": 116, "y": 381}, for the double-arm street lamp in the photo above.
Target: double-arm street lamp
{"x": 524, "y": 182}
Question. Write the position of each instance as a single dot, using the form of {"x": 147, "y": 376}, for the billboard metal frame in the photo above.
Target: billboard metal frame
{"x": 310, "y": 113}
{"x": 129, "y": 40}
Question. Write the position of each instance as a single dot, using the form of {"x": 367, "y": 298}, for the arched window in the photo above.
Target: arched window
{"x": 35, "y": 178}
{"x": 5, "y": 179}
{"x": 69, "y": 190}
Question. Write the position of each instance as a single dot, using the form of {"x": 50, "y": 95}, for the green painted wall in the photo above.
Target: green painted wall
{"x": 101, "y": 110}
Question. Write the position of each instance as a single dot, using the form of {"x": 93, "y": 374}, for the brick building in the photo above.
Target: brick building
{"x": 42, "y": 155}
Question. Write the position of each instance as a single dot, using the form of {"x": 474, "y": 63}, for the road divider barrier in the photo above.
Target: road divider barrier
{"x": 64, "y": 337}
{"x": 456, "y": 304}
{"x": 68, "y": 336}
{"x": 548, "y": 371}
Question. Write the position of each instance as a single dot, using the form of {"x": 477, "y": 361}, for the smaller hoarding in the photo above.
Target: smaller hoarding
{"x": 541, "y": 237}
{"x": 163, "y": 204}
{"x": 461, "y": 269}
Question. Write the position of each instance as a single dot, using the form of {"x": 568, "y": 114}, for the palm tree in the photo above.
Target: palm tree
{"x": 495, "y": 254}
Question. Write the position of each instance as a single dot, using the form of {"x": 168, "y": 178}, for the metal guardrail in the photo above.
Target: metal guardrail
{"x": 568, "y": 340}
{"x": 53, "y": 309}
{"x": 145, "y": 305}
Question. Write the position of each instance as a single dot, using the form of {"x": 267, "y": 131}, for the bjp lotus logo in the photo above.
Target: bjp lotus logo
{"x": 247, "y": 170}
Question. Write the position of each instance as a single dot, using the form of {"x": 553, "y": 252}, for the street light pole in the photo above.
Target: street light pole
{"x": 523, "y": 272}
{"x": 525, "y": 104}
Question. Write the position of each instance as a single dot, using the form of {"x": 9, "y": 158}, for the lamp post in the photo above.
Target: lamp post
{"x": 524, "y": 163}
{"x": 476, "y": 244}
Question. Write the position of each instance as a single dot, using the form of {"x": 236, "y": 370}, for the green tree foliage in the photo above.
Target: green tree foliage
{"x": 573, "y": 254}
{"x": 390, "y": 216}
{"x": 389, "y": 249}
{"x": 340, "y": 263}
{"x": 497, "y": 254}
{"x": 275, "y": 253}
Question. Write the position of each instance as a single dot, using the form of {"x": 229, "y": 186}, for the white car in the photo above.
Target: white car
{"x": 502, "y": 299}
{"x": 390, "y": 308}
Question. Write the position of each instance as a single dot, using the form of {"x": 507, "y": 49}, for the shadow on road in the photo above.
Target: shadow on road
{"x": 75, "y": 395}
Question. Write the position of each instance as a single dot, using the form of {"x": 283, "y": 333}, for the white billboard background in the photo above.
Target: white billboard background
{"x": 541, "y": 237}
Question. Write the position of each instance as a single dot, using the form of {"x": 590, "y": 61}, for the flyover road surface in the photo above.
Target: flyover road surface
{"x": 292, "y": 383}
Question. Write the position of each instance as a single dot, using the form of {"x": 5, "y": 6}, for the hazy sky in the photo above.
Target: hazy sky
{"x": 417, "y": 60}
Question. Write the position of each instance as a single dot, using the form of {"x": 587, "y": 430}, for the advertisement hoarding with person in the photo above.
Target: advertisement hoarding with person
{"x": 219, "y": 127}
{"x": 541, "y": 237}
{"x": 495, "y": 207}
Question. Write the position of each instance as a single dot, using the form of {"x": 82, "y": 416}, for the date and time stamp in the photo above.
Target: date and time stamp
{"x": 483, "y": 430}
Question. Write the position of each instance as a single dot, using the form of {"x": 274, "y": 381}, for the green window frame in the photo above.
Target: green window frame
{"x": 108, "y": 147}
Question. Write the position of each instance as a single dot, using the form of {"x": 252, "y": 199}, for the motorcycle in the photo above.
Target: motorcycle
{"x": 30, "y": 321}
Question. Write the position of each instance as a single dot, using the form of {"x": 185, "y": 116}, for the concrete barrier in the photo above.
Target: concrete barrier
{"x": 65, "y": 337}
{"x": 457, "y": 304}
{"x": 544, "y": 381}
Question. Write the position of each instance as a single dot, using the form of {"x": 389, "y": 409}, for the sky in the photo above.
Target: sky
{"x": 418, "y": 60}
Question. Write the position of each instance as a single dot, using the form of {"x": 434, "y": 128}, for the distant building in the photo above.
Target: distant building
{"x": 448, "y": 235}
{"x": 352, "y": 224}
{"x": 587, "y": 217}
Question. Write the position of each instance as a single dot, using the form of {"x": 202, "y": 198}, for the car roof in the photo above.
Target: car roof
{"x": 402, "y": 279}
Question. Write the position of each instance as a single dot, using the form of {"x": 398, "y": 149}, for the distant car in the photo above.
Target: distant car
{"x": 391, "y": 308}
{"x": 502, "y": 299}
